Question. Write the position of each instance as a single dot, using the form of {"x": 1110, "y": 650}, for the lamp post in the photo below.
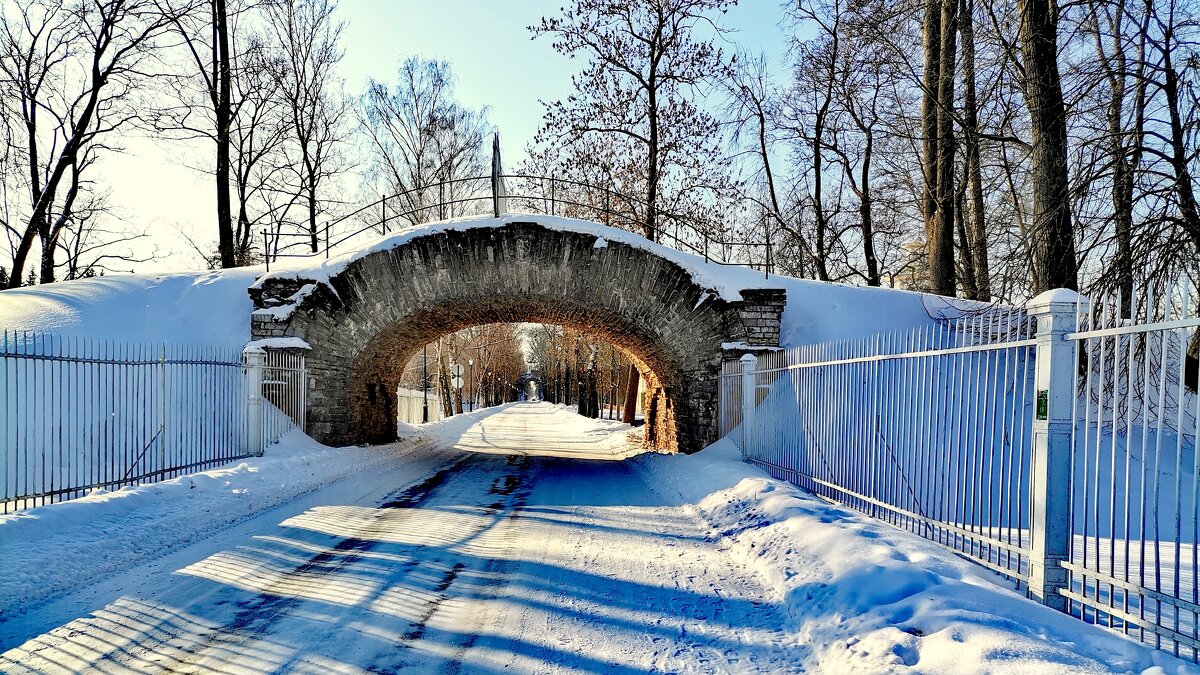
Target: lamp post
{"x": 425, "y": 384}
{"x": 474, "y": 390}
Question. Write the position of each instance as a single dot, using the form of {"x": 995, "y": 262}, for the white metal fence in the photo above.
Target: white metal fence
{"x": 1062, "y": 455}
{"x": 78, "y": 415}
{"x": 1134, "y": 488}
{"x": 410, "y": 405}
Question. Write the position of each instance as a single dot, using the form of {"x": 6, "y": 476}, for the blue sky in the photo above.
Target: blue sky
{"x": 492, "y": 53}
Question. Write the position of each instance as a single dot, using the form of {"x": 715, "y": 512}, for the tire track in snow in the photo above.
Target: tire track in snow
{"x": 255, "y": 618}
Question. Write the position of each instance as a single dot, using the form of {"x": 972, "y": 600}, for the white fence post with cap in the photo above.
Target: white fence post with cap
{"x": 255, "y": 360}
{"x": 749, "y": 380}
{"x": 1050, "y": 472}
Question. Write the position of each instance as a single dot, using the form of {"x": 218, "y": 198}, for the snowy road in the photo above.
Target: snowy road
{"x": 531, "y": 548}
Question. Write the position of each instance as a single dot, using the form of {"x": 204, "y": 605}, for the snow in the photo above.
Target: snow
{"x": 725, "y": 280}
{"x": 745, "y": 346}
{"x": 526, "y": 546}
{"x": 819, "y": 311}
{"x": 212, "y": 308}
{"x": 50, "y": 549}
{"x": 283, "y": 311}
{"x": 816, "y": 311}
{"x": 195, "y": 308}
{"x": 1057, "y": 296}
{"x": 871, "y": 598}
{"x": 278, "y": 343}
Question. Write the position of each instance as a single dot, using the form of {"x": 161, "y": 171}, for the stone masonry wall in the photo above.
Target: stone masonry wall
{"x": 374, "y": 316}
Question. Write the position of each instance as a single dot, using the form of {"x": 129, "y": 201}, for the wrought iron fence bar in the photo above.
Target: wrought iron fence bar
{"x": 1132, "y": 586}
{"x": 1142, "y": 623}
{"x": 1134, "y": 329}
{"x": 907, "y": 355}
{"x": 936, "y": 524}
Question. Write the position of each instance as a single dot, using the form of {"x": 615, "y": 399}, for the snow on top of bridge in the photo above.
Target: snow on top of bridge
{"x": 816, "y": 311}
{"x": 212, "y": 307}
{"x": 726, "y": 281}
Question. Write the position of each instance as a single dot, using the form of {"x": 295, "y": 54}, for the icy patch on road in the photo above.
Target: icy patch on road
{"x": 871, "y": 598}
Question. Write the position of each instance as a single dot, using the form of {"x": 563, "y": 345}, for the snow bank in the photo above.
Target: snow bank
{"x": 871, "y": 598}
{"x": 197, "y": 308}
{"x": 52, "y": 549}
{"x": 279, "y": 343}
{"x": 819, "y": 311}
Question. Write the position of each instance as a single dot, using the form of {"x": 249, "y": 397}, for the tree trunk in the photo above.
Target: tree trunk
{"x": 224, "y": 119}
{"x": 932, "y": 34}
{"x": 652, "y": 164}
{"x": 444, "y": 386}
{"x": 1053, "y": 242}
{"x": 977, "y": 224}
{"x": 866, "y": 220}
{"x": 941, "y": 249}
{"x": 966, "y": 255}
{"x": 629, "y": 414}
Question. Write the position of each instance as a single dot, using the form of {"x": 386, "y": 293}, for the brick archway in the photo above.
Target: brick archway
{"x": 368, "y": 319}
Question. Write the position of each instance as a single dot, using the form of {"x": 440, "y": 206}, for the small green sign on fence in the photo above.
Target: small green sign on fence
{"x": 1043, "y": 404}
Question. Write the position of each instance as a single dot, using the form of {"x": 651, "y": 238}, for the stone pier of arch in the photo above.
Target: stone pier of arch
{"x": 366, "y": 321}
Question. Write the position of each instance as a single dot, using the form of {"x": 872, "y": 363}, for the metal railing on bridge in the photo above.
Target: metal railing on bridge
{"x": 501, "y": 193}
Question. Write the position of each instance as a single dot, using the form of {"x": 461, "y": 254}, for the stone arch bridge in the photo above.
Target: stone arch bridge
{"x": 366, "y": 315}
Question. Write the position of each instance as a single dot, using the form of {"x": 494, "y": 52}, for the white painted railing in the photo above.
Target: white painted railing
{"x": 411, "y": 406}
{"x": 1135, "y": 483}
{"x": 1054, "y": 444}
{"x": 79, "y": 415}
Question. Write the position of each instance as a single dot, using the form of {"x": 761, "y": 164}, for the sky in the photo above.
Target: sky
{"x": 491, "y": 52}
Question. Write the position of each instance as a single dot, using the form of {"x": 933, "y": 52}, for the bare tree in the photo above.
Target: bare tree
{"x": 1052, "y": 239}
{"x": 203, "y": 105}
{"x": 421, "y": 137}
{"x": 69, "y": 72}
{"x": 306, "y": 34}
{"x": 937, "y": 118}
{"x": 645, "y": 63}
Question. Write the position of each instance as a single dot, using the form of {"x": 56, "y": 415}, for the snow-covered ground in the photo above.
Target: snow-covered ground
{"x": 513, "y": 538}
{"x": 211, "y": 309}
{"x": 872, "y": 598}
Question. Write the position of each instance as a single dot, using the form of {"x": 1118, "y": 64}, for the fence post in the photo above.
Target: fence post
{"x": 749, "y": 389}
{"x": 496, "y": 174}
{"x": 254, "y": 359}
{"x": 1050, "y": 468}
